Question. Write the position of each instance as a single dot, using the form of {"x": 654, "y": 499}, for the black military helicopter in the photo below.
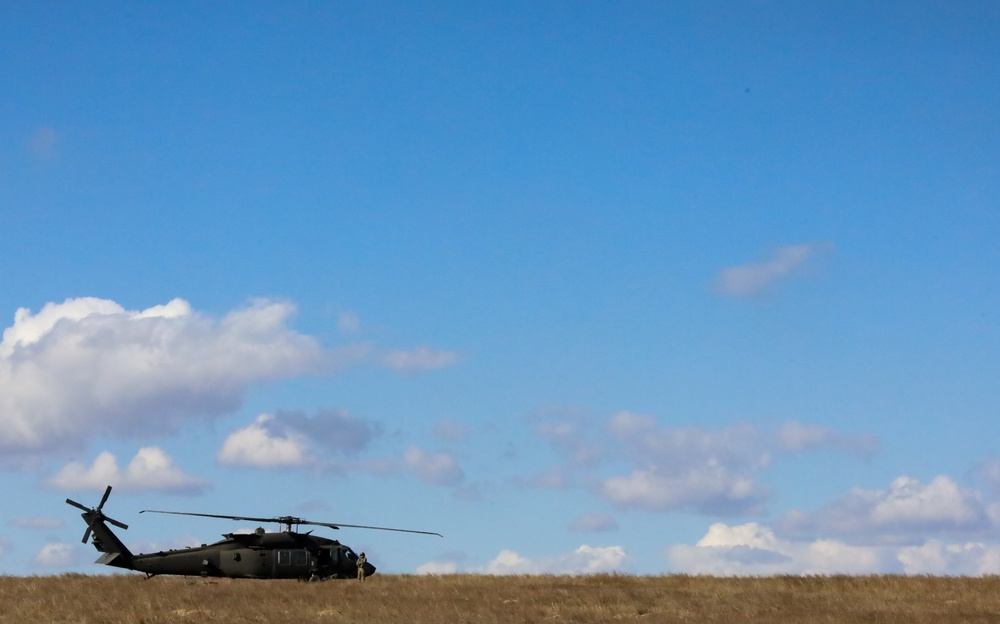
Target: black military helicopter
{"x": 261, "y": 555}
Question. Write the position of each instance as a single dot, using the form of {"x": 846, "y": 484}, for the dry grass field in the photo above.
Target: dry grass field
{"x": 470, "y": 598}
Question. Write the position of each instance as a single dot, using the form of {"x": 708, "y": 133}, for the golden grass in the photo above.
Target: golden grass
{"x": 459, "y": 599}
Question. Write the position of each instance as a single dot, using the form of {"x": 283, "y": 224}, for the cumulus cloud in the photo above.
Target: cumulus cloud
{"x": 584, "y": 560}
{"x": 88, "y": 365}
{"x": 906, "y": 511}
{"x": 753, "y": 279}
{"x": 59, "y": 555}
{"x": 437, "y": 567}
{"x": 255, "y": 445}
{"x": 753, "y": 549}
{"x": 419, "y": 360}
{"x": 911, "y": 527}
{"x": 437, "y": 468}
{"x": 150, "y": 469}
{"x": 294, "y": 439}
{"x": 939, "y": 558}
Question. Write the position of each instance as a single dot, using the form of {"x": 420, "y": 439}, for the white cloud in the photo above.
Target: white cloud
{"x": 254, "y": 445}
{"x": 899, "y": 529}
{"x": 56, "y": 556}
{"x": 584, "y": 560}
{"x": 594, "y": 522}
{"x": 940, "y": 502}
{"x": 752, "y": 549}
{"x": 419, "y": 360}
{"x": 293, "y": 439}
{"x": 750, "y": 280}
{"x": 88, "y": 365}
{"x": 710, "y": 489}
{"x": 906, "y": 511}
{"x": 36, "y": 522}
{"x": 437, "y": 468}
{"x": 150, "y": 469}
{"x": 938, "y": 558}
{"x": 438, "y": 567}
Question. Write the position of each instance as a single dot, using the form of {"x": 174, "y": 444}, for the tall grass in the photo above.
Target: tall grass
{"x": 470, "y": 598}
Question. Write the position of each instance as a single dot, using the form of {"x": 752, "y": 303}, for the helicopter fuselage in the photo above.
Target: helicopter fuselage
{"x": 255, "y": 555}
{"x": 262, "y": 555}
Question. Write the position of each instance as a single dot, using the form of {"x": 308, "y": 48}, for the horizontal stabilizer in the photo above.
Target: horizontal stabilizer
{"x": 107, "y": 558}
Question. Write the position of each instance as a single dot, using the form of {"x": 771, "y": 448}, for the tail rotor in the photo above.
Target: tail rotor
{"x": 96, "y": 515}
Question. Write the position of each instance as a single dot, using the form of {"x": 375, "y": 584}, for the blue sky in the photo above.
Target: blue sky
{"x": 646, "y": 287}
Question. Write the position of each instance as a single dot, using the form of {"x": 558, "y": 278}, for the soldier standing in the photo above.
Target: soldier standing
{"x": 362, "y": 560}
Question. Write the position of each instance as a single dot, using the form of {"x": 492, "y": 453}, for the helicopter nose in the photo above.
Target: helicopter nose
{"x": 369, "y": 569}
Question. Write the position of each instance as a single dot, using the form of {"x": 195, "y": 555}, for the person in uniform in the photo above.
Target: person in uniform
{"x": 362, "y": 560}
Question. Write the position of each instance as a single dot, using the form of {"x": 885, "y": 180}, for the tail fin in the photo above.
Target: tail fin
{"x": 105, "y": 541}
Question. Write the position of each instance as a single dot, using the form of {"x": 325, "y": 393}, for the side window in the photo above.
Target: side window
{"x": 299, "y": 557}
{"x": 284, "y": 557}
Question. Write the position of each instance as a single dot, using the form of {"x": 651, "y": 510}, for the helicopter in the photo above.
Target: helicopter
{"x": 287, "y": 554}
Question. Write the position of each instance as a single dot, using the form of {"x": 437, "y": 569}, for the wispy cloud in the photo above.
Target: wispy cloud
{"x": 756, "y": 278}
{"x": 419, "y": 360}
{"x": 451, "y": 430}
{"x": 43, "y": 143}
{"x": 36, "y": 522}
{"x": 439, "y": 468}
{"x": 594, "y": 522}
{"x": 660, "y": 468}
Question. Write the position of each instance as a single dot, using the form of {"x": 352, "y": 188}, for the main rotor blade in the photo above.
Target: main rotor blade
{"x": 362, "y": 526}
{"x": 204, "y": 515}
{"x": 104, "y": 498}
{"x": 77, "y": 505}
{"x": 289, "y": 520}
